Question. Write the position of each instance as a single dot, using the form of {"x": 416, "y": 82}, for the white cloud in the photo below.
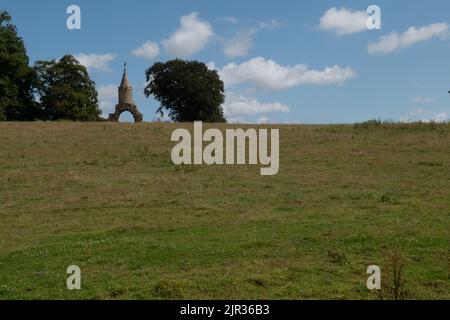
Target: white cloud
{"x": 413, "y": 115}
{"x": 192, "y": 36}
{"x": 423, "y": 100}
{"x": 107, "y": 98}
{"x": 231, "y": 20}
{"x": 267, "y": 25}
{"x": 148, "y": 50}
{"x": 211, "y": 65}
{"x": 236, "y": 120}
{"x": 413, "y": 35}
{"x": 263, "y": 120}
{"x": 441, "y": 117}
{"x": 423, "y": 115}
{"x": 236, "y": 106}
{"x": 240, "y": 44}
{"x": 269, "y": 75}
{"x": 96, "y": 61}
{"x": 343, "y": 21}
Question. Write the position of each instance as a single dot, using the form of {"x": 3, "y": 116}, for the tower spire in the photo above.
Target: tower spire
{"x": 125, "y": 89}
{"x": 126, "y": 102}
{"x": 125, "y": 83}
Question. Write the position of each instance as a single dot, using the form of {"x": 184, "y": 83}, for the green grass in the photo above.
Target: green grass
{"x": 106, "y": 197}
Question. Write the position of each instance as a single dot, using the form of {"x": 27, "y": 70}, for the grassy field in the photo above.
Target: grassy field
{"x": 107, "y": 198}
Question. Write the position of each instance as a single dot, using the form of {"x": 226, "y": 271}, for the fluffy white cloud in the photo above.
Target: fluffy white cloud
{"x": 343, "y": 21}
{"x": 96, "y": 61}
{"x": 241, "y": 43}
{"x": 238, "y": 105}
{"x": 192, "y": 36}
{"x": 413, "y": 35}
{"x": 423, "y": 100}
{"x": 269, "y": 75}
{"x": 148, "y": 50}
{"x": 107, "y": 98}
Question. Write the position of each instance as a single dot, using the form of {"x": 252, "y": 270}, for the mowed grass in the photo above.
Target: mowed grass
{"x": 107, "y": 198}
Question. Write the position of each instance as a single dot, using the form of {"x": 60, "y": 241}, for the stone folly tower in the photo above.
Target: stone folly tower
{"x": 126, "y": 102}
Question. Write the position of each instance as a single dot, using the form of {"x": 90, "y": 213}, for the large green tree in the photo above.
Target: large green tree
{"x": 16, "y": 77}
{"x": 187, "y": 89}
{"x": 66, "y": 90}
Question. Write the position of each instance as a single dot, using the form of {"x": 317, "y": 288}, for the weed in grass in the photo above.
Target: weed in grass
{"x": 166, "y": 289}
{"x": 393, "y": 283}
{"x": 258, "y": 282}
{"x": 389, "y": 197}
{"x": 337, "y": 257}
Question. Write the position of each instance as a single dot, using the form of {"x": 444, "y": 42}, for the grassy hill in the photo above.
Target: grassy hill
{"x": 107, "y": 198}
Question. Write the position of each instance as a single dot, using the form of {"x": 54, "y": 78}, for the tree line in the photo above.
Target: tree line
{"x": 63, "y": 90}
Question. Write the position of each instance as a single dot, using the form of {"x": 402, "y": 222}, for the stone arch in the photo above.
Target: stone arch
{"x": 131, "y": 108}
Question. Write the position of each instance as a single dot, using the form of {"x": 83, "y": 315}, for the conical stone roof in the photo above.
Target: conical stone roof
{"x": 125, "y": 83}
{"x": 125, "y": 89}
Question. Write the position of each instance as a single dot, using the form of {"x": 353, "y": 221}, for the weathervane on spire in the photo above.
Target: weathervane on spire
{"x": 125, "y": 66}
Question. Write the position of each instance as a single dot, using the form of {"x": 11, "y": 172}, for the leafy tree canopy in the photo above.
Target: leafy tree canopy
{"x": 187, "y": 89}
{"x": 17, "y": 79}
{"x": 66, "y": 90}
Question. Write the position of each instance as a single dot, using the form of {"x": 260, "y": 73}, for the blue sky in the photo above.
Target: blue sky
{"x": 282, "y": 61}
